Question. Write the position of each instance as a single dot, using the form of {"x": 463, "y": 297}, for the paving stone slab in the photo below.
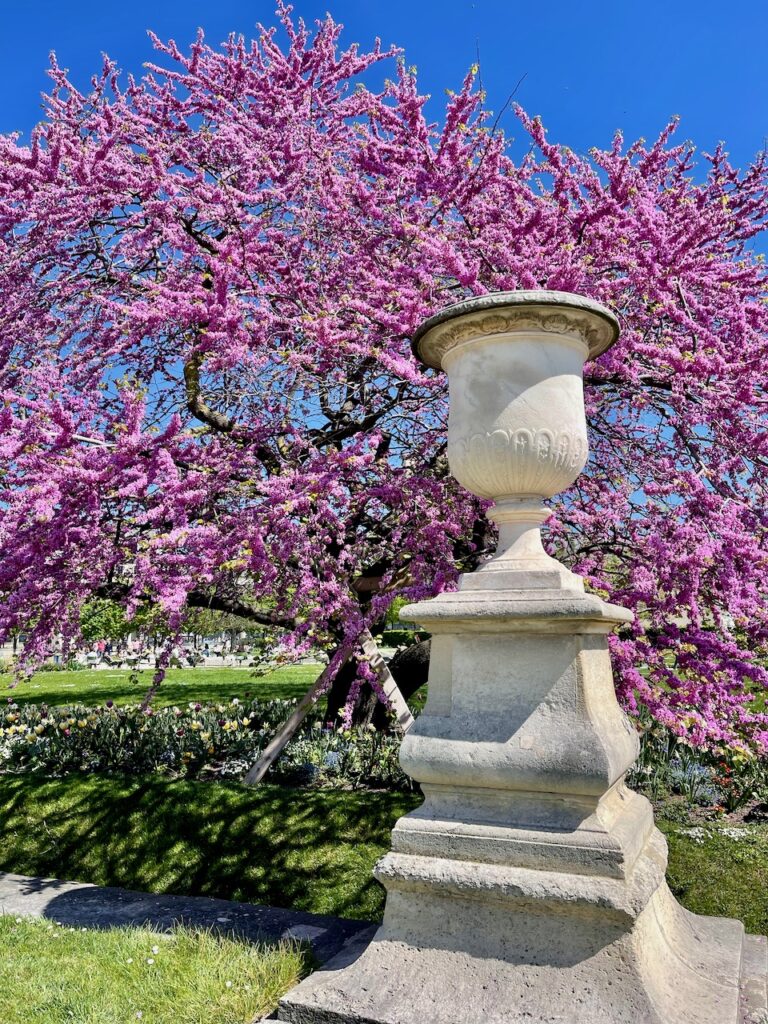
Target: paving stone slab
{"x": 92, "y": 906}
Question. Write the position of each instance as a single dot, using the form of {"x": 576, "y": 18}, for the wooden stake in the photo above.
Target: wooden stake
{"x": 391, "y": 690}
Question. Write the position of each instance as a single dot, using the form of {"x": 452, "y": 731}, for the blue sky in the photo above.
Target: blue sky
{"x": 589, "y": 66}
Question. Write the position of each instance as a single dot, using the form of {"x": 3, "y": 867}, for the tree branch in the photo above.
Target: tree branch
{"x": 195, "y": 401}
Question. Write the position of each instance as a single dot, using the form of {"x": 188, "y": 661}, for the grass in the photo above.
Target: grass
{"x": 181, "y": 685}
{"x": 721, "y": 870}
{"x": 62, "y": 975}
{"x": 306, "y": 849}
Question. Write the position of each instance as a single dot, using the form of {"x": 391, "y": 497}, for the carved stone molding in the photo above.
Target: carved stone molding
{"x": 514, "y": 312}
{"x": 533, "y": 460}
{"x": 445, "y": 337}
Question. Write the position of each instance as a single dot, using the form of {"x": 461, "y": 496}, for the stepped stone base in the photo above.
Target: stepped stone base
{"x": 493, "y": 944}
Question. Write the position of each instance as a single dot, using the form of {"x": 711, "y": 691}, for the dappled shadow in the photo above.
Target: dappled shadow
{"x": 295, "y": 848}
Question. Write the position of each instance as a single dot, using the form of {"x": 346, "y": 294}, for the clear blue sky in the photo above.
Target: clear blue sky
{"x": 590, "y": 66}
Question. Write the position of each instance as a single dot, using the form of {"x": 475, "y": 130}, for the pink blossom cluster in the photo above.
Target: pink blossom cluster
{"x": 209, "y": 280}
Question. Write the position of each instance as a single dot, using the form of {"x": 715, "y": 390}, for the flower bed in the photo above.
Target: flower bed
{"x": 727, "y": 780}
{"x": 199, "y": 740}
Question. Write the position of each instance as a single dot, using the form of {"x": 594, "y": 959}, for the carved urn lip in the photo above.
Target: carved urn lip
{"x": 598, "y": 326}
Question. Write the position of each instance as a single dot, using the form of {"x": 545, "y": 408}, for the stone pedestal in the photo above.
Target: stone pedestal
{"x": 529, "y": 886}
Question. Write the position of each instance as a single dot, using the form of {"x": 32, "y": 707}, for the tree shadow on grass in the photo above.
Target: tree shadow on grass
{"x": 310, "y": 850}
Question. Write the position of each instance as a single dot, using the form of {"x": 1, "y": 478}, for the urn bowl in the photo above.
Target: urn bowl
{"x": 515, "y": 363}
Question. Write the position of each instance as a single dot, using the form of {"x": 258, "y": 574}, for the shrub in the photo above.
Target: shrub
{"x": 402, "y": 637}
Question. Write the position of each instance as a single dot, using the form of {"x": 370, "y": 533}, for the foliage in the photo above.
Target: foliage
{"x": 102, "y": 619}
{"x": 209, "y": 279}
{"x": 197, "y": 740}
{"x": 105, "y": 619}
{"x": 356, "y": 757}
{"x": 54, "y": 666}
{"x": 401, "y": 637}
{"x": 56, "y": 974}
{"x": 310, "y": 850}
{"x": 392, "y": 616}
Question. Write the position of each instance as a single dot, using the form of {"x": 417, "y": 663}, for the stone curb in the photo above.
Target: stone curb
{"x": 83, "y": 905}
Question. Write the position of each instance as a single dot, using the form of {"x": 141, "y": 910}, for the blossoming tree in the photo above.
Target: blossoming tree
{"x": 208, "y": 283}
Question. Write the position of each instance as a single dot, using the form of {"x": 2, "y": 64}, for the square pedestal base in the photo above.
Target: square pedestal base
{"x": 525, "y": 950}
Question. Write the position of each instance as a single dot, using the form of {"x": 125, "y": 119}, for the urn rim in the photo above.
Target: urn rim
{"x": 599, "y": 341}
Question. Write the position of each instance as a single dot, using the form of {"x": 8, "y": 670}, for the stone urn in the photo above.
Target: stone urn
{"x": 529, "y": 886}
{"x": 516, "y": 429}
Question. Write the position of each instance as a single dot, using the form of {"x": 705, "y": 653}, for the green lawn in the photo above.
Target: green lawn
{"x": 721, "y": 870}
{"x": 307, "y": 849}
{"x": 55, "y": 975}
{"x": 181, "y": 685}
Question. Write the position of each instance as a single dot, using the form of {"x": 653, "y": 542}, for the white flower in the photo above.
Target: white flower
{"x": 155, "y": 949}
{"x": 129, "y": 960}
{"x": 228, "y": 984}
{"x": 150, "y": 960}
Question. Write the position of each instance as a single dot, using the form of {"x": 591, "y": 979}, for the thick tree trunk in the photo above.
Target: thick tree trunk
{"x": 339, "y": 691}
{"x": 409, "y": 667}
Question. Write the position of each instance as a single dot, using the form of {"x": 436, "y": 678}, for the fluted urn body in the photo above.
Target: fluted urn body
{"x": 516, "y": 430}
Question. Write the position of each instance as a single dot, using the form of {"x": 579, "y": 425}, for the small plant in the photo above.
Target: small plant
{"x": 355, "y": 758}
{"x": 727, "y": 779}
{"x": 59, "y": 666}
{"x": 691, "y": 779}
{"x": 651, "y": 773}
{"x": 739, "y": 779}
{"x": 199, "y": 740}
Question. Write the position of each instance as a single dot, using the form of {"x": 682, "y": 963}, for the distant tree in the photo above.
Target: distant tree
{"x": 209, "y": 279}
{"x": 102, "y": 619}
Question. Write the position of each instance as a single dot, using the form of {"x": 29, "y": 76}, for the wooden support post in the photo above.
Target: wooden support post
{"x": 391, "y": 690}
